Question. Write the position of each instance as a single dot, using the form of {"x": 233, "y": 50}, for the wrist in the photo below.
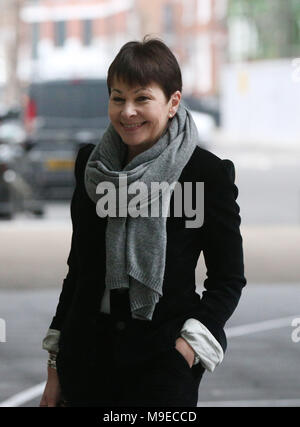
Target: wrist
{"x": 51, "y": 363}
{"x": 186, "y": 349}
{"x": 185, "y": 345}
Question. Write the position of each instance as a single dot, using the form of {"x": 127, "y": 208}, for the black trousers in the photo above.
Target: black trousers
{"x": 118, "y": 368}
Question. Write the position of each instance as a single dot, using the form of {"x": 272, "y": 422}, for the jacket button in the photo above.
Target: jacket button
{"x": 120, "y": 325}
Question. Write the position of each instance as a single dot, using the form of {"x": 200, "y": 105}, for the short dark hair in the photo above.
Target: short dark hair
{"x": 145, "y": 62}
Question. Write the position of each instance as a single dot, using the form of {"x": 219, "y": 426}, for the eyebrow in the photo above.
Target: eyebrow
{"x": 142, "y": 88}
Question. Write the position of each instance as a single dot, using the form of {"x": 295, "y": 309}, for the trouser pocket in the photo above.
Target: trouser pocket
{"x": 181, "y": 358}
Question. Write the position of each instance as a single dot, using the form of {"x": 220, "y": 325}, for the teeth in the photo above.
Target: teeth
{"x": 133, "y": 125}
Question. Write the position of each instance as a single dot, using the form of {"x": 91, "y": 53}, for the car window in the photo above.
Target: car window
{"x": 82, "y": 100}
{"x": 53, "y": 146}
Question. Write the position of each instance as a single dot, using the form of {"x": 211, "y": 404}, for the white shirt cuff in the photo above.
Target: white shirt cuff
{"x": 50, "y": 342}
{"x": 205, "y": 345}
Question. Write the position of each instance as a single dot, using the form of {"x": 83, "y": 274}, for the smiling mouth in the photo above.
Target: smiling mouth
{"x": 132, "y": 126}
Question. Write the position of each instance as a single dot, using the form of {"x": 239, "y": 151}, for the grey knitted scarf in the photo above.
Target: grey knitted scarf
{"x": 136, "y": 246}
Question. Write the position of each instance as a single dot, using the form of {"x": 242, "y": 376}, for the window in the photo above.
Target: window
{"x": 35, "y": 39}
{"x": 188, "y": 16}
{"x": 203, "y": 63}
{"x": 168, "y": 18}
{"x": 87, "y": 32}
{"x": 60, "y": 33}
{"x": 221, "y": 9}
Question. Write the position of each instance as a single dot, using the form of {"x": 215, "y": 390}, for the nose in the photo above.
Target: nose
{"x": 128, "y": 110}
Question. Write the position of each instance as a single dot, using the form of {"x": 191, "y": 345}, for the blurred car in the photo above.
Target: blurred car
{"x": 51, "y": 164}
{"x": 203, "y": 105}
{"x": 16, "y": 193}
{"x": 60, "y": 116}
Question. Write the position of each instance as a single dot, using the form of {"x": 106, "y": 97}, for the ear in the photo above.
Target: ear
{"x": 174, "y": 103}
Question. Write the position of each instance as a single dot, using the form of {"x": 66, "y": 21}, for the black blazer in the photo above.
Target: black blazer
{"x": 219, "y": 239}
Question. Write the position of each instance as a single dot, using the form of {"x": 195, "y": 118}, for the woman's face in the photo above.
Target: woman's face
{"x": 140, "y": 114}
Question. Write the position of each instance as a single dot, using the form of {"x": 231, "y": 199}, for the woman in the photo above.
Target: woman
{"x": 130, "y": 329}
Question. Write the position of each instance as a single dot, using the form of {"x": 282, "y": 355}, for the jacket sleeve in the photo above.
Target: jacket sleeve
{"x": 69, "y": 282}
{"x": 222, "y": 251}
{"x": 50, "y": 341}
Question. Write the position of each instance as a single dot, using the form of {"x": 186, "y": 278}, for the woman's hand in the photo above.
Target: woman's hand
{"x": 52, "y": 393}
{"x": 186, "y": 350}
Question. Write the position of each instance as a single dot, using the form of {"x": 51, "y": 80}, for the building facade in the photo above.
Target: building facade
{"x": 73, "y": 38}
{"x": 79, "y": 38}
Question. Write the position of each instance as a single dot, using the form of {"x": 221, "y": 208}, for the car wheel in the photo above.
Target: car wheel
{"x": 38, "y": 212}
{"x": 8, "y": 215}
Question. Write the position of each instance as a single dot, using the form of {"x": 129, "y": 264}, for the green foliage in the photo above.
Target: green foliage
{"x": 275, "y": 24}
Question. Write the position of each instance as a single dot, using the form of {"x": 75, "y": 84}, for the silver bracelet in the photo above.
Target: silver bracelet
{"x": 52, "y": 360}
{"x": 196, "y": 359}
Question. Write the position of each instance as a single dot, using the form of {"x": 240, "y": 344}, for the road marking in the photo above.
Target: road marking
{"x": 252, "y": 403}
{"x": 24, "y": 396}
{"x": 236, "y": 331}
{"x": 34, "y": 225}
{"x": 251, "y": 328}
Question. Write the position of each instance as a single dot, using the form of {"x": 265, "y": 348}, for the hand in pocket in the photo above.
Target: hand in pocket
{"x": 186, "y": 350}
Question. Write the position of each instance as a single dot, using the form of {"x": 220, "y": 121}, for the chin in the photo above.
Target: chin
{"x": 133, "y": 141}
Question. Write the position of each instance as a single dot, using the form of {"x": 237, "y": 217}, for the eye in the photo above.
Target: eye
{"x": 117, "y": 99}
{"x": 142, "y": 98}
